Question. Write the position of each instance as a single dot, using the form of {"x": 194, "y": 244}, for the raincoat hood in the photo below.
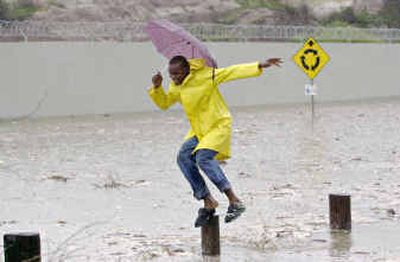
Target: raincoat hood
{"x": 197, "y": 64}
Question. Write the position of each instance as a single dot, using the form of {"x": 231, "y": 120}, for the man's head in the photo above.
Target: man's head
{"x": 179, "y": 69}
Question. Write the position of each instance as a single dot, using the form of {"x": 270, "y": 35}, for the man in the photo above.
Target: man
{"x": 195, "y": 86}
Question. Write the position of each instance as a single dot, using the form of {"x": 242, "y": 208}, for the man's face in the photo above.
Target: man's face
{"x": 177, "y": 73}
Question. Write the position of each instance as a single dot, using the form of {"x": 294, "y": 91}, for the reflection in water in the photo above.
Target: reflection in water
{"x": 341, "y": 242}
{"x": 311, "y": 151}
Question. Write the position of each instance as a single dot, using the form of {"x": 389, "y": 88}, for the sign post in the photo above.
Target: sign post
{"x": 311, "y": 58}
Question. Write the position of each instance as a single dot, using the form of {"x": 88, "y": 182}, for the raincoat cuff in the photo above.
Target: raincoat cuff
{"x": 154, "y": 90}
{"x": 260, "y": 69}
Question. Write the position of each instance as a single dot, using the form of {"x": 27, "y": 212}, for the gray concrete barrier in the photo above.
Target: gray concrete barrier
{"x": 73, "y": 78}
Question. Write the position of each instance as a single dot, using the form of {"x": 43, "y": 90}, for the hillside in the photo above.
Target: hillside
{"x": 218, "y": 11}
{"x": 359, "y": 13}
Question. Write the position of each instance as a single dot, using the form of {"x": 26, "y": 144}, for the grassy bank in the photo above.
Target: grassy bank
{"x": 19, "y": 10}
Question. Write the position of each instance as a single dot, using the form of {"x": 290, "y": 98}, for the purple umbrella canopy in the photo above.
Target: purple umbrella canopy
{"x": 171, "y": 40}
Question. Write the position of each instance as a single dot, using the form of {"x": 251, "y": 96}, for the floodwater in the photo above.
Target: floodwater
{"x": 107, "y": 188}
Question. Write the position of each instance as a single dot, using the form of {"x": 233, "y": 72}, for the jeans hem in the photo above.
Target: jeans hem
{"x": 225, "y": 186}
{"x": 201, "y": 196}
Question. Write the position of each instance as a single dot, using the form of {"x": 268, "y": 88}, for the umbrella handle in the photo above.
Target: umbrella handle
{"x": 164, "y": 70}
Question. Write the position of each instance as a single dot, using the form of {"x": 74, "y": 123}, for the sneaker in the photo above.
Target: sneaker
{"x": 234, "y": 211}
{"x": 204, "y": 215}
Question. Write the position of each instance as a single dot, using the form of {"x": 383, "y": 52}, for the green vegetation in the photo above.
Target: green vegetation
{"x": 270, "y": 4}
{"x": 232, "y": 17}
{"x": 20, "y": 10}
{"x": 348, "y": 17}
{"x": 389, "y": 16}
{"x": 55, "y": 3}
{"x": 284, "y": 14}
{"x": 391, "y": 13}
{"x": 4, "y": 10}
{"x": 301, "y": 15}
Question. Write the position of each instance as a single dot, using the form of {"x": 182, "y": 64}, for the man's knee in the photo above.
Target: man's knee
{"x": 204, "y": 157}
{"x": 183, "y": 156}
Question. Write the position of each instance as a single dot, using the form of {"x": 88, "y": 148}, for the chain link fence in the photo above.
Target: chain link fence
{"x": 123, "y": 31}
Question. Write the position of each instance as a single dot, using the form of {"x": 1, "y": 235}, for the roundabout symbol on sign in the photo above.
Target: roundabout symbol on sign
{"x": 311, "y": 58}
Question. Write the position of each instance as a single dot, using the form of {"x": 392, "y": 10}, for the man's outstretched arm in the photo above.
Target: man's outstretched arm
{"x": 244, "y": 70}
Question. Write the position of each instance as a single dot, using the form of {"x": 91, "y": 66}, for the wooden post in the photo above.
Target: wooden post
{"x": 340, "y": 212}
{"x": 22, "y": 247}
{"x": 210, "y": 240}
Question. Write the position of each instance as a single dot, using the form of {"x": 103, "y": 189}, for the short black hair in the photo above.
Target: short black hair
{"x": 181, "y": 60}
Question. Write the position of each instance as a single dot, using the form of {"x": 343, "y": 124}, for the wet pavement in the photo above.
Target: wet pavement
{"x": 107, "y": 188}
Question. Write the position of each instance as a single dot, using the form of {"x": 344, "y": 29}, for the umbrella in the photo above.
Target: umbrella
{"x": 171, "y": 40}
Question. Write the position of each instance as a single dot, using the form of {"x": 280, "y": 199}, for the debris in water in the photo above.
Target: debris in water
{"x": 11, "y": 222}
{"x": 391, "y": 212}
{"x": 112, "y": 183}
{"x": 243, "y": 174}
{"x": 58, "y": 178}
{"x": 320, "y": 240}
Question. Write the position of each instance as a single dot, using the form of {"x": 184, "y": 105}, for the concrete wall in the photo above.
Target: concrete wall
{"x": 97, "y": 78}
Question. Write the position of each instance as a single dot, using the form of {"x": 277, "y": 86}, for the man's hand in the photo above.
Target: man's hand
{"x": 157, "y": 80}
{"x": 271, "y": 62}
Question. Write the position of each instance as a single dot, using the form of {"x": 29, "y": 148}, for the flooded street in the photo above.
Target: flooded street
{"x": 107, "y": 188}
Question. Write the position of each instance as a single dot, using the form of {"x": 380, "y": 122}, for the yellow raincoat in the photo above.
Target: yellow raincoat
{"x": 203, "y": 104}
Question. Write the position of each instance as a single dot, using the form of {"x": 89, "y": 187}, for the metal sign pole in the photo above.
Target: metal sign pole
{"x": 312, "y": 102}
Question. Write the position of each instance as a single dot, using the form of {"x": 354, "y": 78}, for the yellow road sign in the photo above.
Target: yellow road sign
{"x": 311, "y": 58}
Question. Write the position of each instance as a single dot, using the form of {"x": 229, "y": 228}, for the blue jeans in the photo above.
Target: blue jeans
{"x": 189, "y": 164}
